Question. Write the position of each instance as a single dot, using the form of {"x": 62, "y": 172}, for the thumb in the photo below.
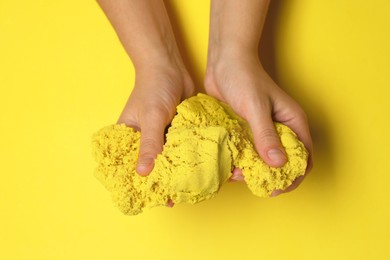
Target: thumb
{"x": 267, "y": 140}
{"x": 151, "y": 144}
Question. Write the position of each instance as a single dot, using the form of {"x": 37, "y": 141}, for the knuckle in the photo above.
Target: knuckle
{"x": 148, "y": 144}
{"x": 146, "y": 154}
{"x": 268, "y": 135}
{"x": 154, "y": 116}
{"x": 298, "y": 111}
{"x": 149, "y": 147}
{"x": 254, "y": 108}
{"x": 301, "y": 114}
{"x": 143, "y": 156}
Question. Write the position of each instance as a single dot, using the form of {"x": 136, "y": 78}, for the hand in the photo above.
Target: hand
{"x": 158, "y": 89}
{"x": 238, "y": 78}
{"x": 161, "y": 78}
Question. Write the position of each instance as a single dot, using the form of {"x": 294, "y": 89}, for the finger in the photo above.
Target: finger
{"x": 151, "y": 144}
{"x": 267, "y": 141}
{"x": 300, "y": 126}
{"x": 170, "y": 203}
{"x": 237, "y": 175}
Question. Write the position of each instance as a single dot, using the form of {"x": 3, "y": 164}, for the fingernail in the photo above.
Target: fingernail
{"x": 144, "y": 164}
{"x": 277, "y": 156}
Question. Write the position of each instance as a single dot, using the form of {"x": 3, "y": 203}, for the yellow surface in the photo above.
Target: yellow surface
{"x": 205, "y": 142}
{"x": 63, "y": 74}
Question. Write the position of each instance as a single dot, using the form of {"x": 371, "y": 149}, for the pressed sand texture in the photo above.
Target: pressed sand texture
{"x": 205, "y": 142}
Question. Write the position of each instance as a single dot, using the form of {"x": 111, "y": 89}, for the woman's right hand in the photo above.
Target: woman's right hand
{"x": 158, "y": 89}
{"x": 161, "y": 80}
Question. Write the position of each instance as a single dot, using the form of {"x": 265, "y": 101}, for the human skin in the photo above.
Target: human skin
{"x": 234, "y": 75}
{"x": 162, "y": 80}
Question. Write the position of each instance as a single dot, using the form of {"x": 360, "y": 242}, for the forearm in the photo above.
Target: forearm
{"x": 236, "y": 24}
{"x": 144, "y": 29}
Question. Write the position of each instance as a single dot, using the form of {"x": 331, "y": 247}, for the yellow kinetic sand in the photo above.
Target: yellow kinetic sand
{"x": 204, "y": 143}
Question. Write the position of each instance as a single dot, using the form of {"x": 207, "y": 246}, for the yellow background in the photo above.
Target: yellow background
{"x": 64, "y": 75}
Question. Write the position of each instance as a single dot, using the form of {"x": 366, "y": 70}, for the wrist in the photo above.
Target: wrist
{"x": 233, "y": 42}
{"x": 231, "y": 52}
{"x": 166, "y": 68}
{"x": 158, "y": 53}
{"x": 161, "y": 66}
